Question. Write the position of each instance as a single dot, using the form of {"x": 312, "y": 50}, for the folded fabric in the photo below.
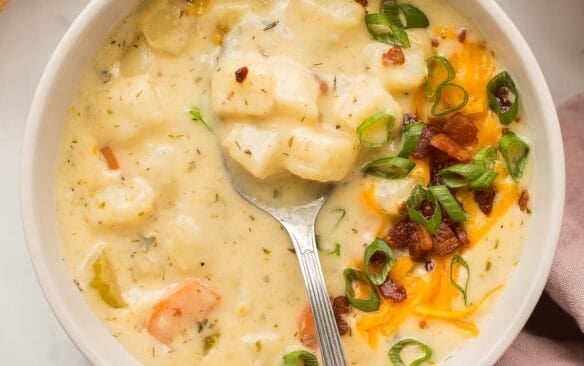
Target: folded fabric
{"x": 565, "y": 285}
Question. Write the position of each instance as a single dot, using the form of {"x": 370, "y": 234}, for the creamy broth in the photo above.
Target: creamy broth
{"x": 167, "y": 211}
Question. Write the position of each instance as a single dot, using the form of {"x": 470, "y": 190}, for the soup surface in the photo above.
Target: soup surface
{"x": 406, "y": 110}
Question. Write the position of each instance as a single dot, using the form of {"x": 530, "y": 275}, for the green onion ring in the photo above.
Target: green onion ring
{"x": 417, "y": 196}
{"x": 394, "y": 34}
{"x": 412, "y": 134}
{"x": 449, "y": 203}
{"x": 438, "y": 60}
{"x": 372, "y": 121}
{"x": 376, "y": 246}
{"x": 414, "y": 17}
{"x": 394, "y": 352}
{"x": 389, "y": 168}
{"x": 486, "y": 157}
{"x": 458, "y": 259}
{"x": 503, "y": 80}
{"x": 515, "y": 152}
{"x": 436, "y": 106}
{"x": 473, "y": 176}
{"x": 307, "y": 358}
{"x": 372, "y": 302}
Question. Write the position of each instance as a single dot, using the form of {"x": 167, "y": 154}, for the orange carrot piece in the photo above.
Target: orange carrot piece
{"x": 110, "y": 158}
{"x": 191, "y": 302}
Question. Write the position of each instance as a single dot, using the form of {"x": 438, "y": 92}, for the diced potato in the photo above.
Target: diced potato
{"x": 363, "y": 98}
{"x": 390, "y": 194}
{"x": 136, "y": 59}
{"x": 321, "y": 155}
{"x": 163, "y": 30}
{"x": 296, "y": 90}
{"x": 422, "y": 40}
{"x": 253, "y": 97}
{"x": 257, "y": 150}
{"x": 397, "y": 78}
{"x": 339, "y": 13}
{"x": 127, "y": 108}
{"x": 225, "y": 16}
{"x": 105, "y": 282}
{"x": 126, "y": 202}
{"x": 187, "y": 242}
{"x": 160, "y": 167}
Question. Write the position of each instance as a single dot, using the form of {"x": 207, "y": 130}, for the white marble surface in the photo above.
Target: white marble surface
{"x": 29, "y": 31}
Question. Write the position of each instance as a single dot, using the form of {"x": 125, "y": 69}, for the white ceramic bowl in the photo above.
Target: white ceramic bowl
{"x": 43, "y": 136}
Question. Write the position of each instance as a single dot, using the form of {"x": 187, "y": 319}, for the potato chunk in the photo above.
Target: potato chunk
{"x": 391, "y": 194}
{"x": 125, "y": 202}
{"x": 257, "y": 150}
{"x": 321, "y": 155}
{"x": 252, "y": 97}
{"x": 364, "y": 97}
{"x": 337, "y": 13}
{"x": 128, "y": 107}
{"x": 163, "y": 31}
{"x": 296, "y": 90}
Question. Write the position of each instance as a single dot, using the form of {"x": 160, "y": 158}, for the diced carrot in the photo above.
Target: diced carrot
{"x": 110, "y": 158}
{"x": 307, "y": 329}
{"x": 191, "y": 302}
{"x": 453, "y": 149}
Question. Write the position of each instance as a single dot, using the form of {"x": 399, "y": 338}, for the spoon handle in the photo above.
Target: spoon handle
{"x": 328, "y": 335}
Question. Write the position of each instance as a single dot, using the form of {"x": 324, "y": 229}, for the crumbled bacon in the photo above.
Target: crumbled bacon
{"x": 438, "y": 162}
{"x": 485, "y": 198}
{"x": 445, "y": 240}
{"x": 393, "y": 56}
{"x": 362, "y": 2}
{"x": 401, "y": 234}
{"x": 393, "y": 291}
{"x": 435, "y": 42}
{"x": 524, "y": 201}
{"x": 423, "y": 148}
{"x": 462, "y": 35}
{"x": 342, "y": 326}
{"x": 341, "y": 305}
{"x": 461, "y": 234}
{"x": 409, "y": 118}
{"x": 461, "y": 129}
{"x": 241, "y": 74}
{"x": 429, "y": 266}
{"x": 502, "y": 96}
{"x": 452, "y": 148}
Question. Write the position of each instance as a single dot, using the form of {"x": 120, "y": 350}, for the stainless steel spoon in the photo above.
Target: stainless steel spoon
{"x": 299, "y": 218}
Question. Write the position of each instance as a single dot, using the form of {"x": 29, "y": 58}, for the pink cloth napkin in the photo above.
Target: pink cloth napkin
{"x": 555, "y": 333}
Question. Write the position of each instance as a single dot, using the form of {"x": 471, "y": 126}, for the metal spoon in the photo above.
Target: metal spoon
{"x": 298, "y": 217}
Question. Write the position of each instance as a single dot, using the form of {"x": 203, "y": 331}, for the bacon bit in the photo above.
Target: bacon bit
{"x": 452, "y": 148}
{"x": 462, "y": 129}
{"x": 393, "y": 56}
{"x": 423, "y": 148}
{"x": 409, "y": 118}
{"x": 502, "y": 96}
{"x": 342, "y": 326}
{"x": 341, "y": 305}
{"x": 401, "y": 234}
{"x": 484, "y": 199}
{"x": 438, "y": 162}
{"x": 462, "y": 35}
{"x": 424, "y": 238}
{"x": 524, "y": 201}
{"x": 423, "y": 324}
{"x": 461, "y": 234}
{"x": 323, "y": 86}
{"x": 445, "y": 240}
{"x": 393, "y": 291}
{"x": 241, "y": 74}
{"x": 363, "y": 3}
{"x": 435, "y": 42}
{"x": 429, "y": 266}
{"x": 110, "y": 158}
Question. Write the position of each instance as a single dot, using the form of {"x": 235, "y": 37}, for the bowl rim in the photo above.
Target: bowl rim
{"x": 83, "y": 22}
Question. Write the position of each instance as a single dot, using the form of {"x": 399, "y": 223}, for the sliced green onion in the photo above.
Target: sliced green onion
{"x": 369, "y": 304}
{"x": 417, "y": 196}
{"x": 342, "y": 215}
{"x": 473, "y": 176}
{"x": 370, "y": 123}
{"x": 438, "y": 109}
{"x": 389, "y": 168}
{"x": 337, "y": 250}
{"x": 449, "y": 203}
{"x": 385, "y": 31}
{"x": 411, "y": 136}
{"x": 307, "y": 358}
{"x": 378, "y": 276}
{"x": 515, "y": 152}
{"x": 413, "y": 16}
{"x": 394, "y": 352}
{"x": 506, "y": 114}
{"x": 432, "y": 63}
{"x": 458, "y": 259}
{"x": 196, "y": 116}
{"x": 486, "y": 157}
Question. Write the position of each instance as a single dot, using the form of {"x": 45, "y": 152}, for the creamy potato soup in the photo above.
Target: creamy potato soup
{"x": 402, "y": 106}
